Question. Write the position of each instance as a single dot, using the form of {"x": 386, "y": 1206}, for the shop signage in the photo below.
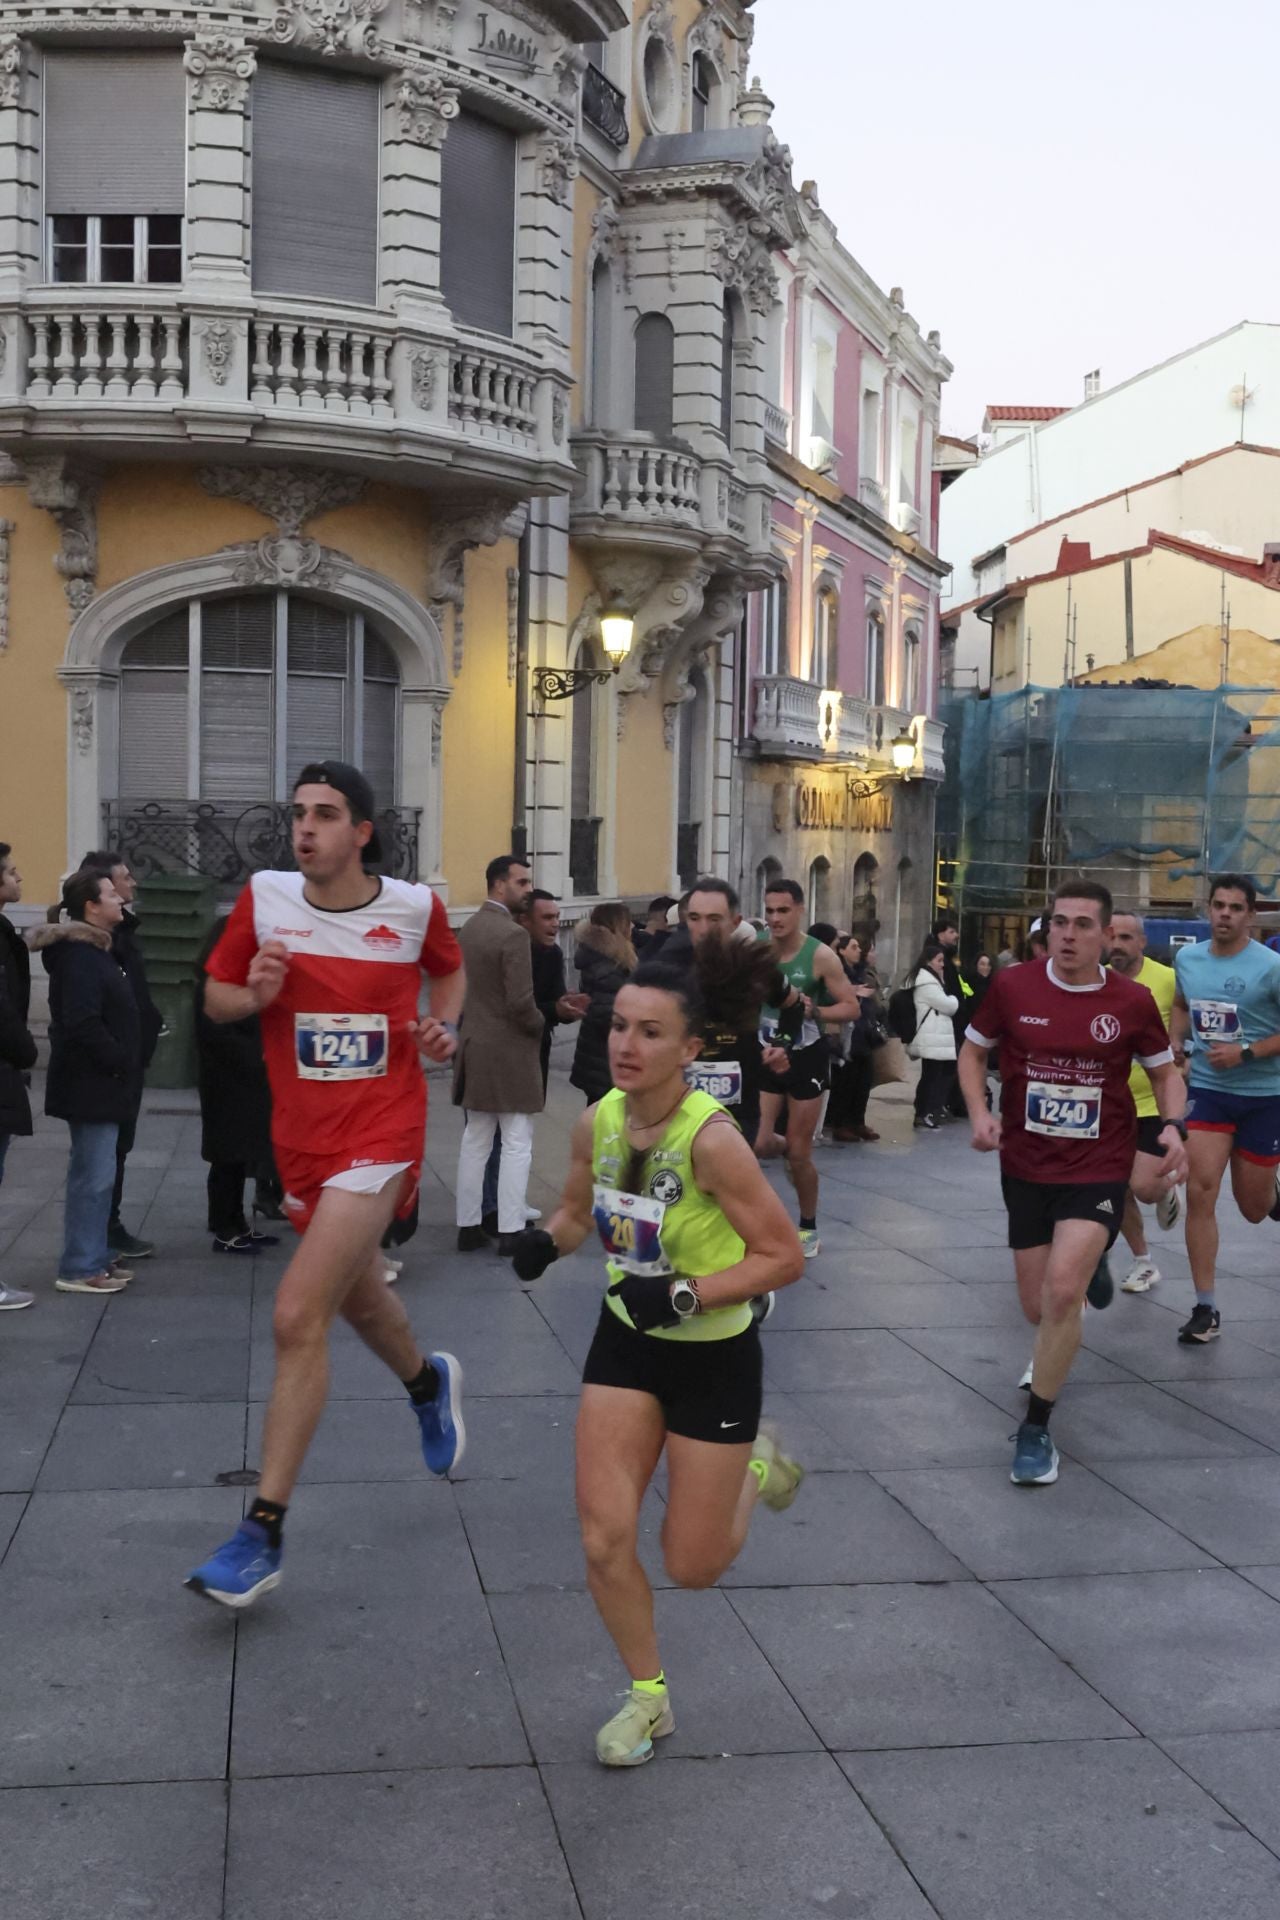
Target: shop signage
{"x": 859, "y": 808}
{"x": 504, "y": 47}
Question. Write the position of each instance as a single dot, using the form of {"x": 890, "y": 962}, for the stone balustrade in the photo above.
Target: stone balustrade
{"x": 796, "y": 719}
{"x": 630, "y": 478}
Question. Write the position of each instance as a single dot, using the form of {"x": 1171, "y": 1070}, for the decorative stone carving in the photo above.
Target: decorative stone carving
{"x": 741, "y": 260}
{"x": 6, "y": 530}
{"x": 288, "y": 560}
{"x": 219, "y": 344}
{"x": 513, "y": 623}
{"x": 675, "y": 239}
{"x": 71, "y": 496}
{"x": 613, "y": 240}
{"x": 288, "y": 495}
{"x": 82, "y": 718}
{"x": 422, "y": 380}
{"x": 221, "y": 69}
{"x": 425, "y": 105}
{"x": 332, "y": 26}
{"x": 559, "y": 416}
{"x": 12, "y": 59}
{"x": 559, "y": 166}
{"x": 569, "y": 66}
{"x": 450, "y": 541}
{"x": 696, "y": 645}
{"x": 459, "y": 637}
{"x": 660, "y": 24}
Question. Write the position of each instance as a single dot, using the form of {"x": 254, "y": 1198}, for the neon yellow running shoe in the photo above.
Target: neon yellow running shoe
{"x": 782, "y": 1478}
{"x": 627, "y": 1740}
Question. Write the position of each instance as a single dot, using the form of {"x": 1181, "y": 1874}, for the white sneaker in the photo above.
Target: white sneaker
{"x": 1169, "y": 1208}
{"x": 531, "y": 1214}
{"x": 391, "y": 1270}
{"x": 1141, "y": 1277}
{"x": 11, "y": 1298}
{"x": 1025, "y": 1383}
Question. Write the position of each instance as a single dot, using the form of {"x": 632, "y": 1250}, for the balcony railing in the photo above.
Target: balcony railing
{"x": 85, "y": 357}
{"x": 584, "y": 857}
{"x": 629, "y": 477}
{"x": 227, "y": 843}
{"x": 777, "y": 425}
{"x": 796, "y": 719}
{"x": 604, "y": 107}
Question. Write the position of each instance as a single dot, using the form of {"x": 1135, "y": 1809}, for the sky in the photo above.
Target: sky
{"x": 1055, "y": 188}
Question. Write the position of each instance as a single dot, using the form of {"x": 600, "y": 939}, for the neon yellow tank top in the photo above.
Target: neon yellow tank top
{"x": 671, "y": 1226}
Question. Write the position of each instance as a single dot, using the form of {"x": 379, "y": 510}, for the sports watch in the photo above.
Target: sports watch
{"x": 1246, "y": 1054}
{"x": 684, "y": 1299}
{"x": 1180, "y": 1126}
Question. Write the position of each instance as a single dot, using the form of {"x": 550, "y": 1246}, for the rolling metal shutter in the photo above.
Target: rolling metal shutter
{"x": 316, "y": 150}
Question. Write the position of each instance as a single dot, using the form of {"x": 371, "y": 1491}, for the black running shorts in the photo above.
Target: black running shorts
{"x": 707, "y": 1389}
{"x": 1035, "y": 1208}
{"x": 807, "y": 1077}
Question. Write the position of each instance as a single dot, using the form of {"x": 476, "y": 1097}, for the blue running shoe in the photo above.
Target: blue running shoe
{"x": 444, "y": 1437}
{"x": 239, "y": 1571}
{"x": 1035, "y": 1458}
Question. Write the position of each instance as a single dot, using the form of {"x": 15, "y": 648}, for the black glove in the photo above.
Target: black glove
{"x": 535, "y": 1250}
{"x": 647, "y": 1299}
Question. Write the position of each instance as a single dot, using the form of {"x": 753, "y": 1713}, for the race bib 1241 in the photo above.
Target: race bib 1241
{"x": 1066, "y": 1113}
{"x": 340, "y": 1046}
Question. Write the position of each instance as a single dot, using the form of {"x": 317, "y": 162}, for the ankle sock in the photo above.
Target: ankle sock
{"x": 269, "y": 1515}
{"x": 809, "y": 1226}
{"x": 760, "y": 1468}
{"x": 651, "y": 1687}
{"x": 1038, "y": 1410}
{"x": 1207, "y": 1300}
{"x": 424, "y": 1386}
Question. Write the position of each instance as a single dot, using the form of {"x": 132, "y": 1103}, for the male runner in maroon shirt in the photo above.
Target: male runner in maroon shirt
{"x": 1068, "y": 1031}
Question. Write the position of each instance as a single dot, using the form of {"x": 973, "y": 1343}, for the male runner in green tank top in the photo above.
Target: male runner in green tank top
{"x": 799, "y": 1072}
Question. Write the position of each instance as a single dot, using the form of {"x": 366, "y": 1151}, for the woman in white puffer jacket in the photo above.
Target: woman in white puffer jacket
{"x": 935, "y": 1043}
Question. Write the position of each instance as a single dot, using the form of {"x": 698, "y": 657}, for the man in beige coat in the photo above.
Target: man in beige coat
{"x": 497, "y": 1072}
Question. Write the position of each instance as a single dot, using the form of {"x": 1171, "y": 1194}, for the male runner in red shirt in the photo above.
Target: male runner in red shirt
{"x": 1068, "y": 1031}
{"x": 331, "y": 958}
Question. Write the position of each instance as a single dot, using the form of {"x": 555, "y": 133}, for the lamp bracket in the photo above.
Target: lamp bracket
{"x": 562, "y": 683}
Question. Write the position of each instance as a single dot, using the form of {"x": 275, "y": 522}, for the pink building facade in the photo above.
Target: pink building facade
{"x": 838, "y": 659}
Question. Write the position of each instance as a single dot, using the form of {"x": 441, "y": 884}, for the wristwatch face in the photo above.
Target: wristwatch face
{"x": 684, "y": 1300}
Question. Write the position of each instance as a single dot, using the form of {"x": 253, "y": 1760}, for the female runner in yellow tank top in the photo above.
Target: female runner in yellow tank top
{"x": 692, "y": 1232}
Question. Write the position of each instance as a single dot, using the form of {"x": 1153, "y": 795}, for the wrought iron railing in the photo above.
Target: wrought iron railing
{"x": 604, "y": 108}
{"x": 689, "y": 851}
{"x": 227, "y": 843}
{"x": 584, "y": 857}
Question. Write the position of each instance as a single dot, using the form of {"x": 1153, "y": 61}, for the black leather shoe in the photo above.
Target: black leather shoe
{"x": 472, "y": 1239}
{"x": 507, "y": 1244}
{"x": 489, "y": 1221}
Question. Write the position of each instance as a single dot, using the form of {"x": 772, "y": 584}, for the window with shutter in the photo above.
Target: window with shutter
{"x": 237, "y": 659}
{"x": 316, "y": 149}
{"x": 655, "y": 375}
{"x": 478, "y": 224}
{"x": 319, "y": 664}
{"x": 114, "y": 133}
{"x": 727, "y": 369}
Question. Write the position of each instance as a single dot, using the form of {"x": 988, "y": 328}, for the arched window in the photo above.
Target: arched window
{"x": 911, "y": 669}
{"x": 826, "y": 629}
{"x": 820, "y": 889}
{"x": 601, "y": 342}
{"x": 773, "y": 629}
{"x": 865, "y": 914}
{"x": 691, "y": 775}
{"x": 584, "y": 820}
{"x": 767, "y": 872}
{"x": 655, "y": 375}
{"x": 728, "y": 333}
{"x": 875, "y": 657}
{"x": 224, "y": 700}
{"x": 706, "y": 87}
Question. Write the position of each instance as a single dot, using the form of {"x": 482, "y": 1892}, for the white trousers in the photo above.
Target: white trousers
{"x": 513, "y": 1174}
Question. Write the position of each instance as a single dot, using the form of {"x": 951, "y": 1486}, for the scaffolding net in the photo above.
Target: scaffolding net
{"x": 1146, "y": 788}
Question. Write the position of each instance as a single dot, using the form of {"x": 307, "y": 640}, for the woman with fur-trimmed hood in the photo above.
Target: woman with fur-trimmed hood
{"x": 605, "y": 959}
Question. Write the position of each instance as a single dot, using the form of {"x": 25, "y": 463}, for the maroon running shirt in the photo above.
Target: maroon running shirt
{"x": 1065, "y": 1054}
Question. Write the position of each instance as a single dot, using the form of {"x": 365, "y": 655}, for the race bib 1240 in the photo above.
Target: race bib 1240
{"x": 341, "y": 1046}
{"x": 1066, "y": 1113}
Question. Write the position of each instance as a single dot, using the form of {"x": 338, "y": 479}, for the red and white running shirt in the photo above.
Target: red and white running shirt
{"x": 344, "y": 1068}
{"x": 1065, "y": 1053}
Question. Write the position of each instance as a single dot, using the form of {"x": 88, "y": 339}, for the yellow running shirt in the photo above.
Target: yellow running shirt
{"x": 1160, "y": 982}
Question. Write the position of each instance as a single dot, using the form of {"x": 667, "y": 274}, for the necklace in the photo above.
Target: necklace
{"x": 649, "y": 1126}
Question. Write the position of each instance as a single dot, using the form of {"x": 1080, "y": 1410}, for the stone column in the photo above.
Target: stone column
{"x": 422, "y": 777}
{"x": 20, "y": 240}
{"x": 548, "y": 794}
{"x": 418, "y": 105}
{"x": 220, "y": 72}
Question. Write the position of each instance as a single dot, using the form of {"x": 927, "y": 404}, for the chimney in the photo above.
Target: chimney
{"x": 1093, "y": 384}
{"x": 1271, "y": 563}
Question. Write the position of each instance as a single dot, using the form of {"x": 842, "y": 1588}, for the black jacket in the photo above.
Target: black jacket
{"x": 17, "y": 1048}
{"x": 95, "y": 1035}
{"x": 604, "y": 962}
{"x": 235, "y": 1101}
{"x": 548, "y": 987}
{"x": 128, "y": 951}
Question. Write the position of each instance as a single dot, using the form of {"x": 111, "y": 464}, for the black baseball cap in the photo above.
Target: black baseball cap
{"x": 351, "y": 783}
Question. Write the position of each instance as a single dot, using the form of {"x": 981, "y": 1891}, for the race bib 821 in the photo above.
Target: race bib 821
{"x": 1213, "y": 1020}
{"x": 340, "y": 1046}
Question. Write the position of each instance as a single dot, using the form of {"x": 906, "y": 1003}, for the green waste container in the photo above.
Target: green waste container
{"x": 176, "y": 912}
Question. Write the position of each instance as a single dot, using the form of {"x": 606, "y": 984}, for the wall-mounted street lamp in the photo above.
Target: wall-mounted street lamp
{"x": 617, "y": 631}
{"x": 903, "y": 750}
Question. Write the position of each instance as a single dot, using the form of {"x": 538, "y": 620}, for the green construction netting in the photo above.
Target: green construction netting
{"x": 1146, "y": 787}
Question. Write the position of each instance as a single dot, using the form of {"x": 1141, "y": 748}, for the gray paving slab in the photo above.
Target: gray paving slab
{"x": 568, "y": 1677}
{"x": 1229, "y": 1507}
{"x": 1211, "y": 1624}
{"x": 890, "y": 1426}
{"x": 1108, "y": 1827}
{"x": 1240, "y": 1770}
{"x": 507, "y": 1439}
{"x": 991, "y": 1359}
{"x": 134, "y": 1445}
{"x": 927, "y": 1666}
{"x": 508, "y": 1358}
{"x": 24, "y": 1441}
{"x": 866, "y": 1302}
{"x": 1140, "y": 1422}
{"x": 842, "y": 1528}
{"x": 82, "y": 1853}
{"x": 1268, "y": 1578}
{"x": 477, "y": 1843}
{"x": 121, "y": 1676}
{"x": 1145, "y": 1342}
{"x": 12, "y": 1508}
{"x": 524, "y": 1533}
{"x": 812, "y": 1362}
{"x": 731, "y": 1858}
{"x": 167, "y": 1350}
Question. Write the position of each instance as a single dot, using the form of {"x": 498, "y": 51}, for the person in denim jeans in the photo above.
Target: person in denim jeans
{"x": 17, "y": 1048}
{"x": 95, "y": 1069}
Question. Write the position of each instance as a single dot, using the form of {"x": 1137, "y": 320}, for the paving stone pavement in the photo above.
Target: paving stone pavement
{"x": 920, "y": 1692}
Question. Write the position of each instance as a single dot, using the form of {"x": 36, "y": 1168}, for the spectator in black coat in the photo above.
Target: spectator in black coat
{"x": 605, "y": 959}
{"x": 17, "y": 1048}
{"x": 128, "y": 952}
{"x": 235, "y": 1115}
{"x": 95, "y": 1073}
